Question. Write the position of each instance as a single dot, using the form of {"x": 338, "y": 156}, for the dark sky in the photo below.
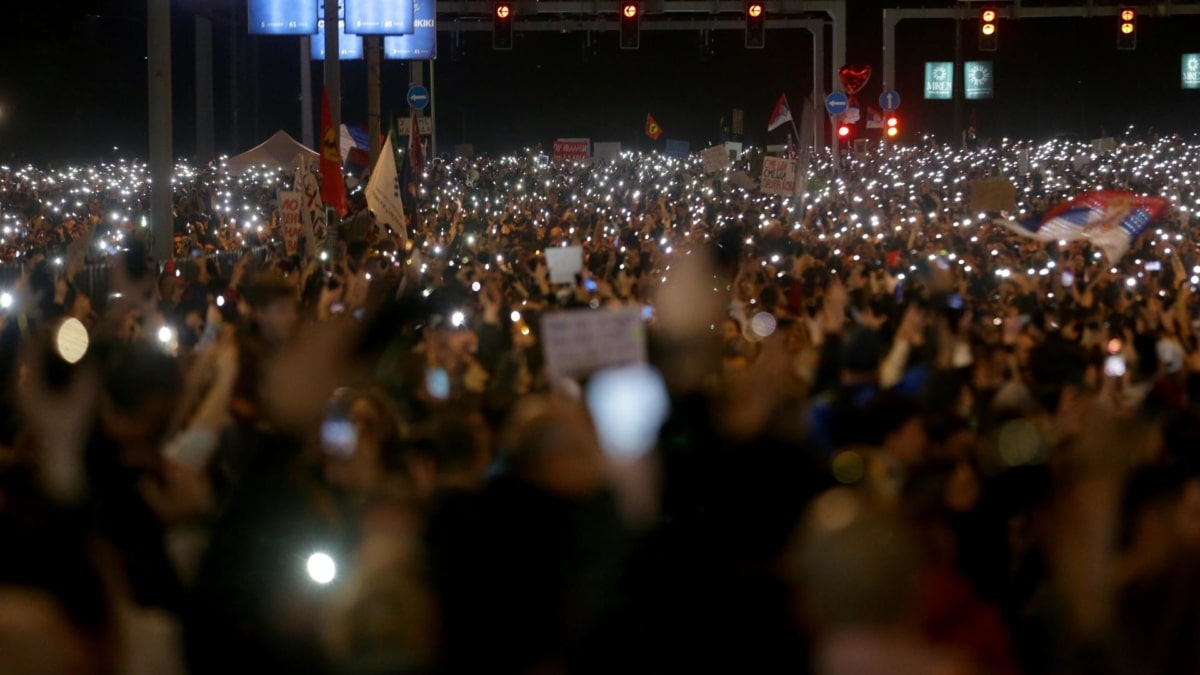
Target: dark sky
{"x": 74, "y": 81}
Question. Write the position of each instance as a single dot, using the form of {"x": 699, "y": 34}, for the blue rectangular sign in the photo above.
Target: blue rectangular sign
{"x": 677, "y": 149}
{"x": 379, "y": 17}
{"x": 283, "y": 17}
{"x": 350, "y": 47}
{"x": 422, "y": 44}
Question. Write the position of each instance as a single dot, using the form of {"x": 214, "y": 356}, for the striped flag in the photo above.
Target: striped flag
{"x": 1110, "y": 220}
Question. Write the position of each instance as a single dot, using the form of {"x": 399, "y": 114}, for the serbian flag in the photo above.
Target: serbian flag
{"x": 781, "y": 115}
{"x": 874, "y": 118}
{"x": 652, "y": 128}
{"x": 333, "y": 186}
{"x": 1110, "y": 220}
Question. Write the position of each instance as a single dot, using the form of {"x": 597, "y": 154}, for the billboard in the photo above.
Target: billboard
{"x": 379, "y": 17}
{"x": 350, "y": 47}
{"x": 978, "y": 80}
{"x": 421, "y": 45}
{"x": 1189, "y": 71}
{"x": 939, "y": 80}
{"x": 282, "y": 17}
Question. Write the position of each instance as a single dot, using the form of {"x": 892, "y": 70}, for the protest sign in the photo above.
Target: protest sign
{"x": 606, "y": 152}
{"x": 564, "y": 263}
{"x": 991, "y": 195}
{"x": 715, "y": 159}
{"x": 289, "y": 220}
{"x": 677, "y": 149}
{"x": 778, "y": 176}
{"x": 572, "y": 149}
{"x": 578, "y": 342}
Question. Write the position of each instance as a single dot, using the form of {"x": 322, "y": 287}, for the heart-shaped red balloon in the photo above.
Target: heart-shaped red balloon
{"x": 854, "y": 78}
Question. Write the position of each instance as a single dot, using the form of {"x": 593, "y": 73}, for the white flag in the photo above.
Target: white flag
{"x": 383, "y": 190}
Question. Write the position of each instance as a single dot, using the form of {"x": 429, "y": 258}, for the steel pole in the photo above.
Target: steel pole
{"x": 158, "y": 56}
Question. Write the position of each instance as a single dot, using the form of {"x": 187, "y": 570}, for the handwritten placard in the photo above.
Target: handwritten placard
{"x": 579, "y": 342}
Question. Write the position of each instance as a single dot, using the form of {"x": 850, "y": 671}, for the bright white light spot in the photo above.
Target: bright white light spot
{"x": 321, "y": 568}
{"x": 165, "y": 334}
{"x": 457, "y": 319}
{"x": 763, "y": 324}
{"x": 6, "y": 300}
{"x": 515, "y": 316}
{"x": 71, "y": 340}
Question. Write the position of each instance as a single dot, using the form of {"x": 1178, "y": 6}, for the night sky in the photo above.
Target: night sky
{"x": 74, "y": 81}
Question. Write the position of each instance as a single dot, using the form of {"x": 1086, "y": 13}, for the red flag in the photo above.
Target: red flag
{"x": 333, "y": 186}
{"x": 415, "y": 153}
{"x": 652, "y": 128}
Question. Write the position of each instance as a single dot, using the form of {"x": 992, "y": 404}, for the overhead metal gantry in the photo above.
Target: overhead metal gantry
{"x": 891, "y": 17}
{"x": 456, "y": 16}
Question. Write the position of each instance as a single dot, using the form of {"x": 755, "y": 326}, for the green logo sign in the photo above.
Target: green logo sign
{"x": 978, "y": 80}
{"x": 939, "y": 80}
{"x": 1189, "y": 71}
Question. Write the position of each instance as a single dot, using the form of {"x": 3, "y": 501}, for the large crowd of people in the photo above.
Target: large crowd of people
{"x": 874, "y": 432}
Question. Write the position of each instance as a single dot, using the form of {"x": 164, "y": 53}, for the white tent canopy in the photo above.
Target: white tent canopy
{"x": 280, "y": 151}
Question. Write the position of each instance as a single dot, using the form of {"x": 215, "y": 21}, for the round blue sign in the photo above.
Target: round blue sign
{"x": 889, "y": 100}
{"x": 836, "y": 103}
{"x": 418, "y": 97}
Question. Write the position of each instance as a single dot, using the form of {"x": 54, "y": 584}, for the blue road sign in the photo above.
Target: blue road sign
{"x": 889, "y": 100}
{"x": 418, "y": 97}
{"x": 836, "y": 103}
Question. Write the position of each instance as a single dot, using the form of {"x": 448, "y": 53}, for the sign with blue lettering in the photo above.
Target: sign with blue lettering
{"x": 836, "y": 103}
{"x": 418, "y": 97}
{"x": 350, "y": 47}
{"x": 282, "y": 17}
{"x": 421, "y": 45}
{"x": 379, "y": 17}
{"x": 889, "y": 100}
{"x": 939, "y": 80}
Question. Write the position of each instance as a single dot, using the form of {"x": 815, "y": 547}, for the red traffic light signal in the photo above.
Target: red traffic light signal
{"x": 756, "y": 30}
{"x": 893, "y": 126}
{"x": 844, "y": 130}
{"x": 630, "y": 25}
{"x": 502, "y": 28}
{"x": 989, "y": 30}
{"x": 1127, "y": 29}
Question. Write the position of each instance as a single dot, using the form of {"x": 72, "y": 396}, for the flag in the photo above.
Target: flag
{"x": 333, "y": 186}
{"x": 874, "y": 118}
{"x": 356, "y": 149}
{"x": 781, "y": 115}
{"x": 652, "y": 128}
{"x": 1109, "y": 220}
{"x": 383, "y": 189}
{"x": 415, "y": 154}
{"x": 406, "y": 182}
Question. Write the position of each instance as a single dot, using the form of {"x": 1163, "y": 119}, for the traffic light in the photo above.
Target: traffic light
{"x": 756, "y": 29}
{"x": 631, "y": 19}
{"x": 845, "y": 130}
{"x": 892, "y": 125}
{"x": 1127, "y": 29}
{"x": 502, "y": 29}
{"x": 989, "y": 31}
